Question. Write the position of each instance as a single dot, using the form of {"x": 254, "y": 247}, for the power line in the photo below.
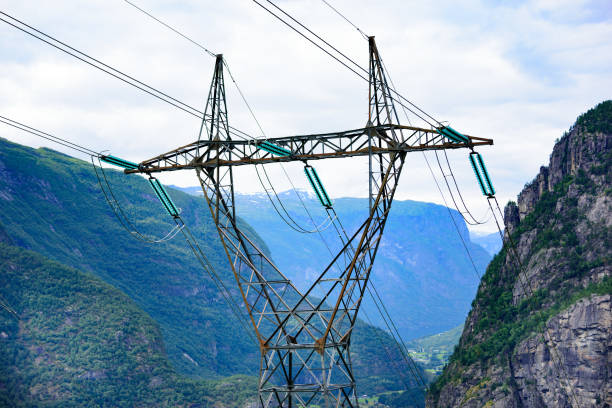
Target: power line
{"x": 403, "y": 379}
{"x": 212, "y": 54}
{"x": 287, "y": 218}
{"x": 345, "y": 19}
{"x": 450, "y": 192}
{"x": 207, "y": 266}
{"x": 318, "y": 37}
{"x": 401, "y": 97}
{"x": 100, "y": 65}
{"x": 311, "y": 41}
{"x": 440, "y": 190}
{"x": 123, "y": 219}
{"x": 48, "y": 136}
{"x": 126, "y": 223}
{"x": 96, "y": 63}
{"x": 399, "y": 340}
{"x": 452, "y": 175}
{"x": 453, "y": 219}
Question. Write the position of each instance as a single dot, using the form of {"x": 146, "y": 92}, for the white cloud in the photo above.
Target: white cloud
{"x": 518, "y": 73}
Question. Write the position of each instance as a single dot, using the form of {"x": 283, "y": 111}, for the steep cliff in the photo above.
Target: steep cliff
{"x": 539, "y": 331}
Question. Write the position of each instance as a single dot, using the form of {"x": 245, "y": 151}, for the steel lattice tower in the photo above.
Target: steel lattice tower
{"x": 304, "y": 341}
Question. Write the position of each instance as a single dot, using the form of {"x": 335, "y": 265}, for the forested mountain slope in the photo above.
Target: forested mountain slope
{"x": 545, "y": 341}
{"x": 79, "y": 342}
{"x": 52, "y": 204}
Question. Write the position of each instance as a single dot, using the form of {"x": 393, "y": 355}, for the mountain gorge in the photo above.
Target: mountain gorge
{"x": 540, "y": 328}
{"x": 64, "y": 250}
{"x": 422, "y": 271}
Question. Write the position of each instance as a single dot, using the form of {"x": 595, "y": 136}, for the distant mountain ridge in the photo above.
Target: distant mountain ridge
{"x": 421, "y": 271}
{"x": 491, "y": 242}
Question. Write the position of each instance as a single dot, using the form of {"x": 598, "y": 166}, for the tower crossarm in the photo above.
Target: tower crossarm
{"x": 348, "y": 143}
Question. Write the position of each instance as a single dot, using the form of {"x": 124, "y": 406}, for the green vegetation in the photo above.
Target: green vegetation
{"x": 597, "y": 119}
{"x": 433, "y": 352}
{"x": 80, "y": 342}
{"x": 403, "y": 399}
{"x": 52, "y": 204}
{"x": 553, "y": 228}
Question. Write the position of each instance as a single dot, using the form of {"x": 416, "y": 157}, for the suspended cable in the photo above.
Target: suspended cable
{"x": 119, "y": 213}
{"x": 110, "y": 197}
{"x": 189, "y": 237}
{"x": 388, "y": 353}
{"x": 339, "y": 229}
{"x": 123, "y": 219}
{"x": 6, "y": 306}
{"x": 473, "y": 220}
{"x": 212, "y": 54}
{"x": 48, "y": 39}
{"x": 453, "y": 219}
{"x": 412, "y": 367}
{"x": 400, "y": 341}
{"x": 319, "y": 38}
{"x": 444, "y": 199}
{"x": 345, "y": 19}
{"x": 47, "y": 136}
{"x": 287, "y": 218}
{"x": 311, "y": 41}
{"x": 459, "y": 191}
{"x": 402, "y": 100}
{"x": 207, "y": 266}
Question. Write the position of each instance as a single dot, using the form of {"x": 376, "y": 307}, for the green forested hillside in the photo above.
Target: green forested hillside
{"x": 433, "y": 352}
{"x": 52, "y": 204}
{"x": 79, "y": 342}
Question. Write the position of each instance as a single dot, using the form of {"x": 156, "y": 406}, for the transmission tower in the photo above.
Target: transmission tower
{"x": 305, "y": 341}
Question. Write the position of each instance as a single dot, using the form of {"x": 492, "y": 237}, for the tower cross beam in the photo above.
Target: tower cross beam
{"x": 351, "y": 143}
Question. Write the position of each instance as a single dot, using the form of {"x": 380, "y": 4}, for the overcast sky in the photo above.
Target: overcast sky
{"x": 518, "y": 72}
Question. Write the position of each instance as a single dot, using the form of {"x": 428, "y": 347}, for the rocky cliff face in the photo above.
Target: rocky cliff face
{"x": 540, "y": 329}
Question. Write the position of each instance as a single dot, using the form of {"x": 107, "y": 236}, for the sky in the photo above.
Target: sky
{"x": 517, "y": 72}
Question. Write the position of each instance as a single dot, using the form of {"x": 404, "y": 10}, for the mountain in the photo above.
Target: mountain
{"x": 80, "y": 342}
{"x": 421, "y": 271}
{"x": 539, "y": 332}
{"x": 52, "y": 204}
{"x": 492, "y": 242}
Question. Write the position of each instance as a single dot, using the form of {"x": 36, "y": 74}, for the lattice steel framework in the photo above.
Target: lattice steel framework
{"x": 304, "y": 342}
